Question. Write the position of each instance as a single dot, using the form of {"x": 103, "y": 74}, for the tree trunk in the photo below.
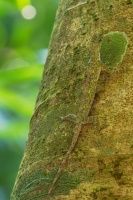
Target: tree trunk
{"x": 80, "y": 143}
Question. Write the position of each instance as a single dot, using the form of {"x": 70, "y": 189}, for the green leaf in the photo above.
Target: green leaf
{"x": 19, "y": 75}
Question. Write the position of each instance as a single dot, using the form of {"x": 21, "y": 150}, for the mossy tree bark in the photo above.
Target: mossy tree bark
{"x": 89, "y": 36}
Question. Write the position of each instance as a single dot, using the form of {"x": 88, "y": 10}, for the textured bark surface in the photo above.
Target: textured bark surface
{"x": 101, "y": 166}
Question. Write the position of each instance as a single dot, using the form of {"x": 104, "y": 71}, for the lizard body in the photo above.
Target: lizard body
{"x": 90, "y": 85}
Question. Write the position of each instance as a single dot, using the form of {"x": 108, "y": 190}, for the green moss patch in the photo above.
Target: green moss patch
{"x": 113, "y": 48}
{"x": 41, "y": 181}
{"x": 38, "y": 183}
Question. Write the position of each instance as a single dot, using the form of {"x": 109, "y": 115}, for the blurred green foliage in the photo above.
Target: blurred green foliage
{"x": 23, "y": 50}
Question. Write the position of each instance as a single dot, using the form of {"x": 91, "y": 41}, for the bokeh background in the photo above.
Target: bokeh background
{"x": 25, "y": 29}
